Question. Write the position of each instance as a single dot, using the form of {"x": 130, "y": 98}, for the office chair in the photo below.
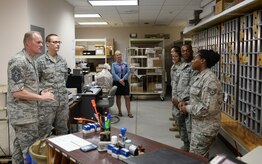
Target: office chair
{"x": 106, "y": 102}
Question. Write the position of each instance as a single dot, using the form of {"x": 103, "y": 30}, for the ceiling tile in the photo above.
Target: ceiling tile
{"x": 78, "y": 2}
{"x": 158, "y": 12}
{"x": 177, "y": 2}
{"x": 128, "y": 16}
{"x": 125, "y": 8}
{"x": 151, "y": 2}
{"x": 172, "y": 7}
{"x": 195, "y": 2}
{"x": 150, "y": 7}
{"x": 192, "y": 7}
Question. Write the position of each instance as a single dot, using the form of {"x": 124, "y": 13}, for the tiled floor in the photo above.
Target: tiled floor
{"x": 151, "y": 120}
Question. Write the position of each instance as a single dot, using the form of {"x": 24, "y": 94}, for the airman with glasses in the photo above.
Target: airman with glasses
{"x": 52, "y": 70}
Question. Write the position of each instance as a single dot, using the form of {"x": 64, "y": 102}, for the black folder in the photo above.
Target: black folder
{"x": 163, "y": 156}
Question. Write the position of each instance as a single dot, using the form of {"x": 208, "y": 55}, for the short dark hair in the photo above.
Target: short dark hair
{"x": 210, "y": 56}
{"x": 177, "y": 50}
{"x": 47, "y": 39}
{"x": 189, "y": 47}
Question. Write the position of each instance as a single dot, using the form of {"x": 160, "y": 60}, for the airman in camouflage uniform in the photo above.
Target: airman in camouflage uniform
{"x": 176, "y": 58}
{"x": 22, "y": 96}
{"x": 53, "y": 74}
{"x": 180, "y": 93}
{"x": 206, "y": 97}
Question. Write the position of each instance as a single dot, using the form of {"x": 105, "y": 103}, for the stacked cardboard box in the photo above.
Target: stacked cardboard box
{"x": 154, "y": 87}
{"x": 79, "y": 50}
{"x": 221, "y": 5}
{"x": 154, "y": 62}
{"x": 137, "y": 88}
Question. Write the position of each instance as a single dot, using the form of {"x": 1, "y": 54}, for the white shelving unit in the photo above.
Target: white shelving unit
{"x": 92, "y": 57}
{"x": 103, "y": 48}
{"x": 147, "y": 60}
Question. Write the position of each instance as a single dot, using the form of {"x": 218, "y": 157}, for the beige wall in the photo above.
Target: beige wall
{"x": 121, "y": 37}
{"x": 14, "y": 22}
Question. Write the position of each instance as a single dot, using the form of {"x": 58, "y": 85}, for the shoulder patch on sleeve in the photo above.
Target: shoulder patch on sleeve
{"x": 211, "y": 91}
{"x": 16, "y": 74}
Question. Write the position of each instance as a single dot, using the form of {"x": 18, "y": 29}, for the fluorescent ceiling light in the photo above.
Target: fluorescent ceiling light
{"x": 114, "y": 3}
{"x": 87, "y": 15}
{"x": 92, "y": 23}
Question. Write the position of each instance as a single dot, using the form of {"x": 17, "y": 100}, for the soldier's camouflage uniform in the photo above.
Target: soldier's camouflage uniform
{"x": 206, "y": 97}
{"x": 181, "y": 86}
{"x": 173, "y": 72}
{"x": 23, "y": 114}
{"x": 53, "y": 74}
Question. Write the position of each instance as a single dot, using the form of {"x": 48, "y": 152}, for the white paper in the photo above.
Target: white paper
{"x": 69, "y": 142}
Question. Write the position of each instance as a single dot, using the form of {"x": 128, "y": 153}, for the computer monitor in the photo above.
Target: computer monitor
{"x": 75, "y": 81}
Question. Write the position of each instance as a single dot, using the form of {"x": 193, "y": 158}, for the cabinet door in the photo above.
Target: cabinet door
{"x": 4, "y": 142}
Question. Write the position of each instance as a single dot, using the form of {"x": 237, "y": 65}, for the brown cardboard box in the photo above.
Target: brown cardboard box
{"x": 151, "y": 87}
{"x": 154, "y": 62}
{"x": 109, "y": 47}
{"x": 79, "y": 50}
{"x": 220, "y": 5}
{"x": 134, "y": 79}
{"x": 136, "y": 89}
{"x": 157, "y": 63}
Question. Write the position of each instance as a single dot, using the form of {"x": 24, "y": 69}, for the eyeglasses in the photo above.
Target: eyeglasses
{"x": 56, "y": 42}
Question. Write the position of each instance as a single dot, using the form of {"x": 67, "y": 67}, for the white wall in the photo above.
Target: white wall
{"x": 14, "y": 23}
{"x": 55, "y": 16}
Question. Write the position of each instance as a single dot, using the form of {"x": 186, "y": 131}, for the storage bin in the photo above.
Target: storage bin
{"x": 3, "y": 93}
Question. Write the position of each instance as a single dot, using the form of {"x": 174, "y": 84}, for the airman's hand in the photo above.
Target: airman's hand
{"x": 47, "y": 95}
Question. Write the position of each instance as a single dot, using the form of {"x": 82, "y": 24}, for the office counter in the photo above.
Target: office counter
{"x": 57, "y": 155}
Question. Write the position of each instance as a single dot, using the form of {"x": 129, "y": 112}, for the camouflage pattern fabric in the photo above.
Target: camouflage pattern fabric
{"x": 183, "y": 80}
{"x": 200, "y": 144}
{"x": 173, "y": 70}
{"x": 26, "y": 135}
{"x": 206, "y": 98}
{"x": 22, "y": 74}
{"x": 48, "y": 118}
{"x": 53, "y": 74}
{"x": 22, "y": 114}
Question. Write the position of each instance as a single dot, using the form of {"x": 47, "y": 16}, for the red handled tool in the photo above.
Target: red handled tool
{"x": 96, "y": 113}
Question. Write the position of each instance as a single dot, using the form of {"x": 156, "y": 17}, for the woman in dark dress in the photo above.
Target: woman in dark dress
{"x": 120, "y": 72}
